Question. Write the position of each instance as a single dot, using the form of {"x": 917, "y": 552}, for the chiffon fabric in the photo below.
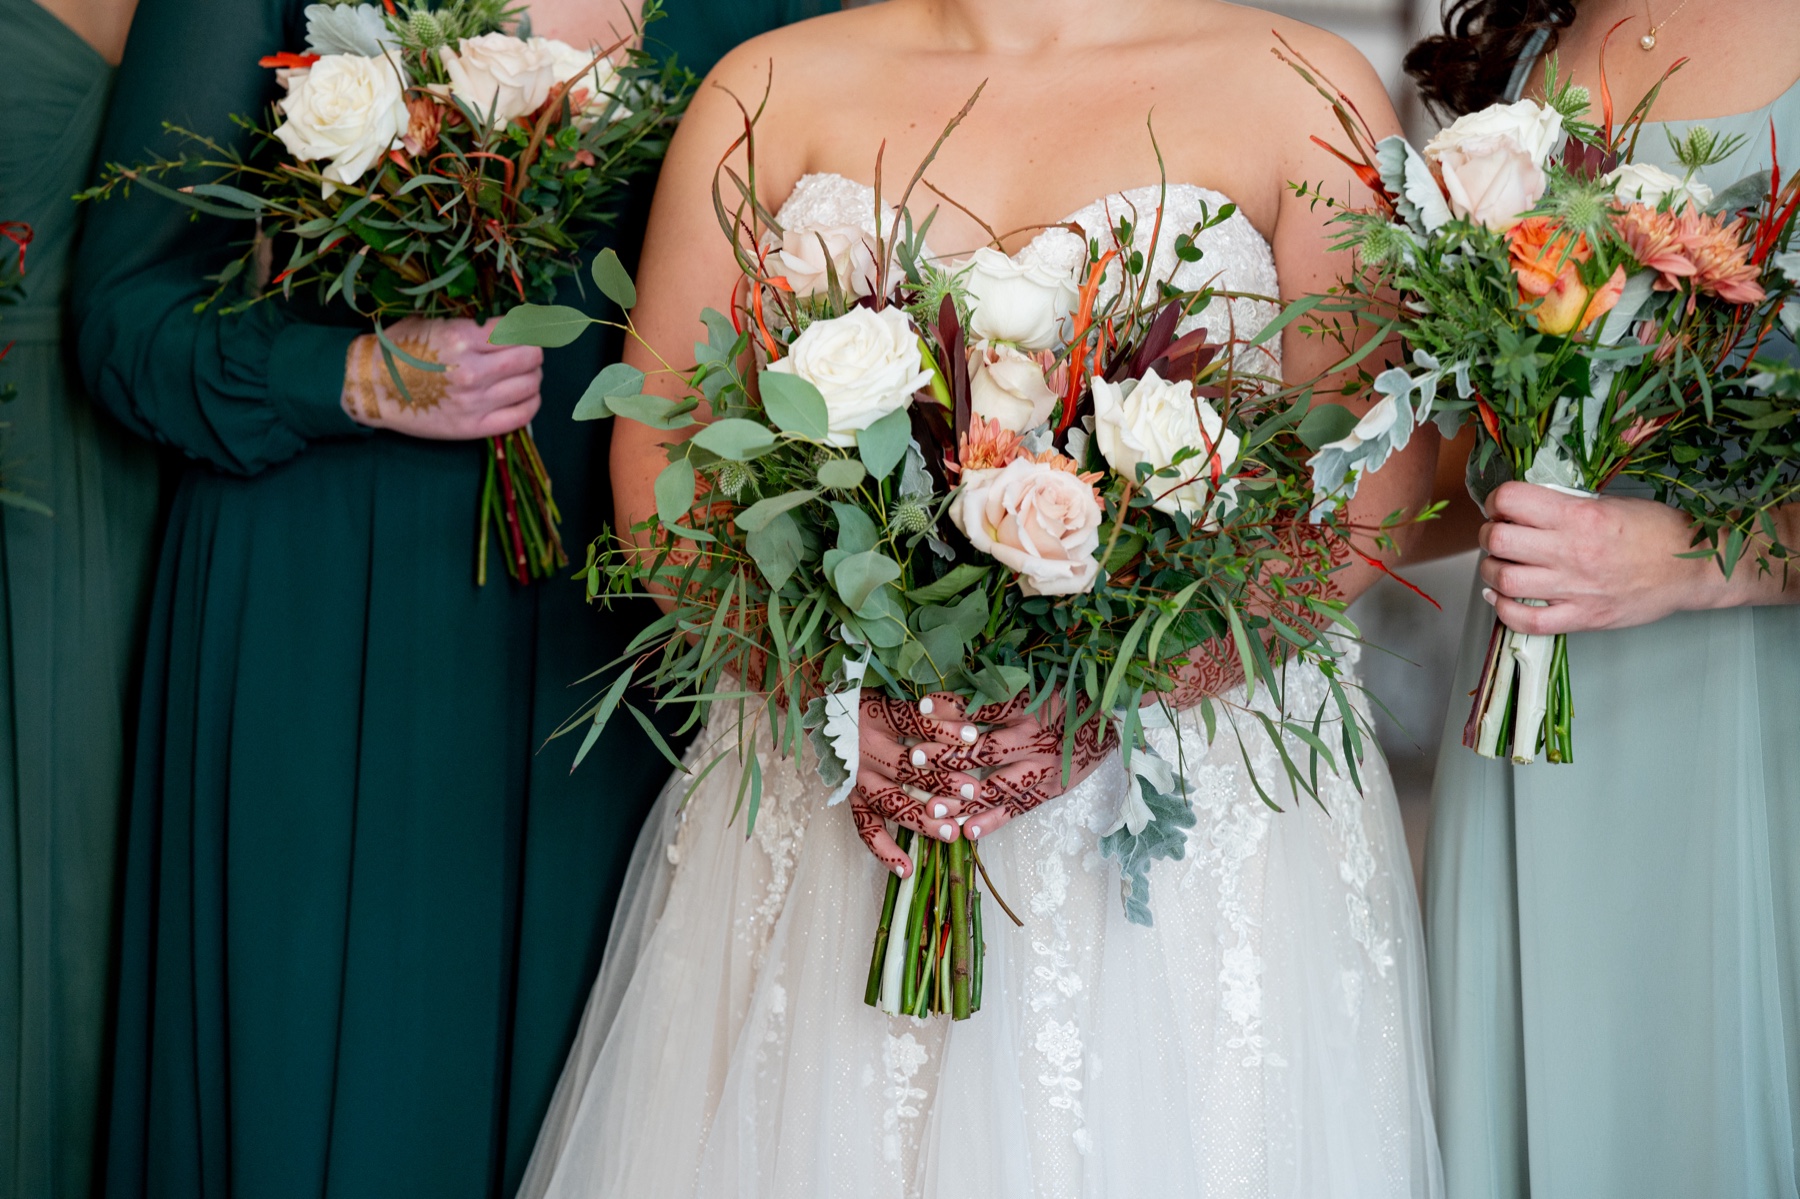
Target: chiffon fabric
{"x": 74, "y": 591}
{"x": 1615, "y": 943}
{"x": 1265, "y": 1038}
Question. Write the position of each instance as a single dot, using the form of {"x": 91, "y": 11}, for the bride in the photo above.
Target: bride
{"x": 1267, "y": 1036}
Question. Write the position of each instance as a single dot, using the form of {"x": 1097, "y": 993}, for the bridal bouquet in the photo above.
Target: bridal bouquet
{"x": 433, "y": 161}
{"x": 984, "y": 477}
{"x": 1596, "y": 317}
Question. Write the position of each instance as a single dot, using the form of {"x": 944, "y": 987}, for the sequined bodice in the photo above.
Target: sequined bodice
{"x": 1234, "y": 257}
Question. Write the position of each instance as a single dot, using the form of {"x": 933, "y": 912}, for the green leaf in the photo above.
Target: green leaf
{"x": 859, "y": 575}
{"x": 734, "y": 438}
{"x": 658, "y": 412}
{"x": 968, "y": 617}
{"x": 794, "y": 405}
{"x": 777, "y": 548}
{"x": 883, "y": 619}
{"x": 842, "y": 474}
{"x": 1242, "y": 639}
{"x": 1325, "y": 424}
{"x": 613, "y": 280}
{"x": 943, "y": 650}
{"x": 856, "y": 532}
{"x": 617, "y": 380}
{"x": 675, "y": 492}
{"x": 759, "y": 514}
{"x": 602, "y": 714}
{"x": 954, "y": 583}
{"x": 883, "y": 444}
{"x": 547, "y": 325}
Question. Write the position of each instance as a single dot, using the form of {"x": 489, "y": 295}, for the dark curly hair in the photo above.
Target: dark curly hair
{"x": 1467, "y": 66}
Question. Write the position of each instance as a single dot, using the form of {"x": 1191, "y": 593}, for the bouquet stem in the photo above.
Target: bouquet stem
{"x": 931, "y": 963}
{"x": 517, "y": 501}
{"x": 1524, "y": 701}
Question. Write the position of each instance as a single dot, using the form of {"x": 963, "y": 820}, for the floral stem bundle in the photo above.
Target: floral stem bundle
{"x": 435, "y": 162}
{"x": 1596, "y": 317}
{"x": 1016, "y": 483}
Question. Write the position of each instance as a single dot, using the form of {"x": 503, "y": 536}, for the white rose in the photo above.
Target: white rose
{"x": 1153, "y": 420}
{"x": 345, "y": 108}
{"x": 1534, "y": 128}
{"x": 509, "y": 76}
{"x": 1008, "y": 386}
{"x": 595, "y": 89}
{"x": 1646, "y": 183}
{"x": 1038, "y": 519}
{"x": 1022, "y": 304}
{"x": 865, "y": 363}
{"x": 806, "y": 249}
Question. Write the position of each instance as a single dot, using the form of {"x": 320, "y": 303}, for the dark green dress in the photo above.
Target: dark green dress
{"x": 362, "y": 909}
{"x": 74, "y": 588}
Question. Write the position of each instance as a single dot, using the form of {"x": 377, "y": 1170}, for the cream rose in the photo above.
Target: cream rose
{"x": 806, "y": 249}
{"x": 500, "y": 73}
{"x": 1023, "y": 304}
{"x": 1646, "y": 183}
{"x": 865, "y": 363}
{"x": 1492, "y": 161}
{"x": 1038, "y": 519}
{"x": 1534, "y": 128}
{"x": 594, "y": 90}
{"x": 1008, "y": 386}
{"x": 344, "y": 108}
{"x": 1151, "y": 421}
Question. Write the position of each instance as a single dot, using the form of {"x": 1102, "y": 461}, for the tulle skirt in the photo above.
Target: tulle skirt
{"x": 1267, "y": 1037}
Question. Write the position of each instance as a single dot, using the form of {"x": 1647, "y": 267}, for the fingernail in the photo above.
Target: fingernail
{"x": 925, "y": 706}
{"x": 973, "y": 831}
{"x": 898, "y": 869}
{"x": 918, "y": 757}
{"x": 1487, "y": 593}
{"x": 969, "y": 734}
{"x": 968, "y": 790}
{"x": 946, "y": 831}
{"x": 939, "y": 810}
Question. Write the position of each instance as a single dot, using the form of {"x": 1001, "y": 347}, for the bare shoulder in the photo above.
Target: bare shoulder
{"x": 808, "y": 60}
{"x": 1262, "y": 40}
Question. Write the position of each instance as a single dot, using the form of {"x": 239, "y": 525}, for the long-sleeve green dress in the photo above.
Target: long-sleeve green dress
{"x": 362, "y": 908}
{"x": 74, "y": 590}
{"x": 1614, "y": 944}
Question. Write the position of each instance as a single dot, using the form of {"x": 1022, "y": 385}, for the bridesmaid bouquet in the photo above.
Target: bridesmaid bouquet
{"x": 12, "y": 280}
{"x": 433, "y": 161}
{"x": 982, "y": 477}
{"x": 1596, "y": 317}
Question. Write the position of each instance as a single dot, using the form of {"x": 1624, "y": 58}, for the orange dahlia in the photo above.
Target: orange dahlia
{"x": 1693, "y": 246}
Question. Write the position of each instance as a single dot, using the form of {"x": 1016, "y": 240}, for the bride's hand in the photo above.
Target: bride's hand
{"x": 916, "y": 761}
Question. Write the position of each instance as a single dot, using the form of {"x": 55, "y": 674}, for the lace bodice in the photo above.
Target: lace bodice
{"x": 1234, "y": 257}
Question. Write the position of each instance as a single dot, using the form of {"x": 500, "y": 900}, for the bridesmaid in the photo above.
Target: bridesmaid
{"x": 1615, "y": 943}
{"x": 74, "y": 589}
{"x": 361, "y": 909}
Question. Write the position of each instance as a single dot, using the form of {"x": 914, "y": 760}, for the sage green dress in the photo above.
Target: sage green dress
{"x": 74, "y": 589}
{"x": 1614, "y": 944}
{"x": 362, "y": 907}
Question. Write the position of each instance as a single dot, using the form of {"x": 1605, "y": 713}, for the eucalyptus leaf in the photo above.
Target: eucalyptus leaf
{"x": 548, "y": 325}
{"x": 883, "y": 444}
{"x": 1325, "y": 424}
{"x": 734, "y": 438}
{"x": 658, "y": 412}
{"x": 795, "y": 406}
{"x": 842, "y": 474}
{"x": 675, "y": 491}
{"x": 762, "y": 512}
{"x": 859, "y": 575}
{"x": 613, "y": 280}
{"x": 777, "y": 548}
{"x": 616, "y": 381}
{"x": 957, "y": 581}
{"x": 856, "y": 532}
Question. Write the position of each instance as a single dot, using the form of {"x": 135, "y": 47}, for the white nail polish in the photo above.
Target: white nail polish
{"x": 968, "y": 790}
{"x": 1487, "y": 594}
{"x": 946, "y": 831}
{"x": 926, "y": 706}
{"x": 974, "y": 831}
{"x": 918, "y": 757}
{"x": 969, "y": 734}
{"x": 939, "y": 810}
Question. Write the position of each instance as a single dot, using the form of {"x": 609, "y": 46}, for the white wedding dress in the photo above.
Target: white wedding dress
{"x": 1266, "y": 1038}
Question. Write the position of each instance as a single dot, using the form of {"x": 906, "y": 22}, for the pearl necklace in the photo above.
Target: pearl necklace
{"x": 1648, "y": 41}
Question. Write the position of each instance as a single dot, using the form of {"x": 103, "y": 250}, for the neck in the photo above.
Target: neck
{"x": 1027, "y": 27}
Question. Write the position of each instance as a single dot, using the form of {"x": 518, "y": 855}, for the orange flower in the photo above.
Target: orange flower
{"x": 988, "y": 445}
{"x": 425, "y": 116}
{"x": 1691, "y": 246}
{"x": 1546, "y": 260}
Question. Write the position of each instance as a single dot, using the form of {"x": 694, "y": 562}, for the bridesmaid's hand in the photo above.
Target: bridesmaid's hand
{"x": 1603, "y": 563}
{"x": 484, "y": 391}
{"x": 918, "y": 764}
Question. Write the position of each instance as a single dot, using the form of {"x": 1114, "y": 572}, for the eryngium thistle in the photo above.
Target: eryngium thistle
{"x": 1384, "y": 245}
{"x": 733, "y": 478}
{"x": 1585, "y": 207}
{"x": 426, "y": 30}
{"x": 909, "y": 516}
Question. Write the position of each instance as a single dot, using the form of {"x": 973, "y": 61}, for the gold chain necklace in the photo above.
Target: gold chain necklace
{"x": 1648, "y": 41}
